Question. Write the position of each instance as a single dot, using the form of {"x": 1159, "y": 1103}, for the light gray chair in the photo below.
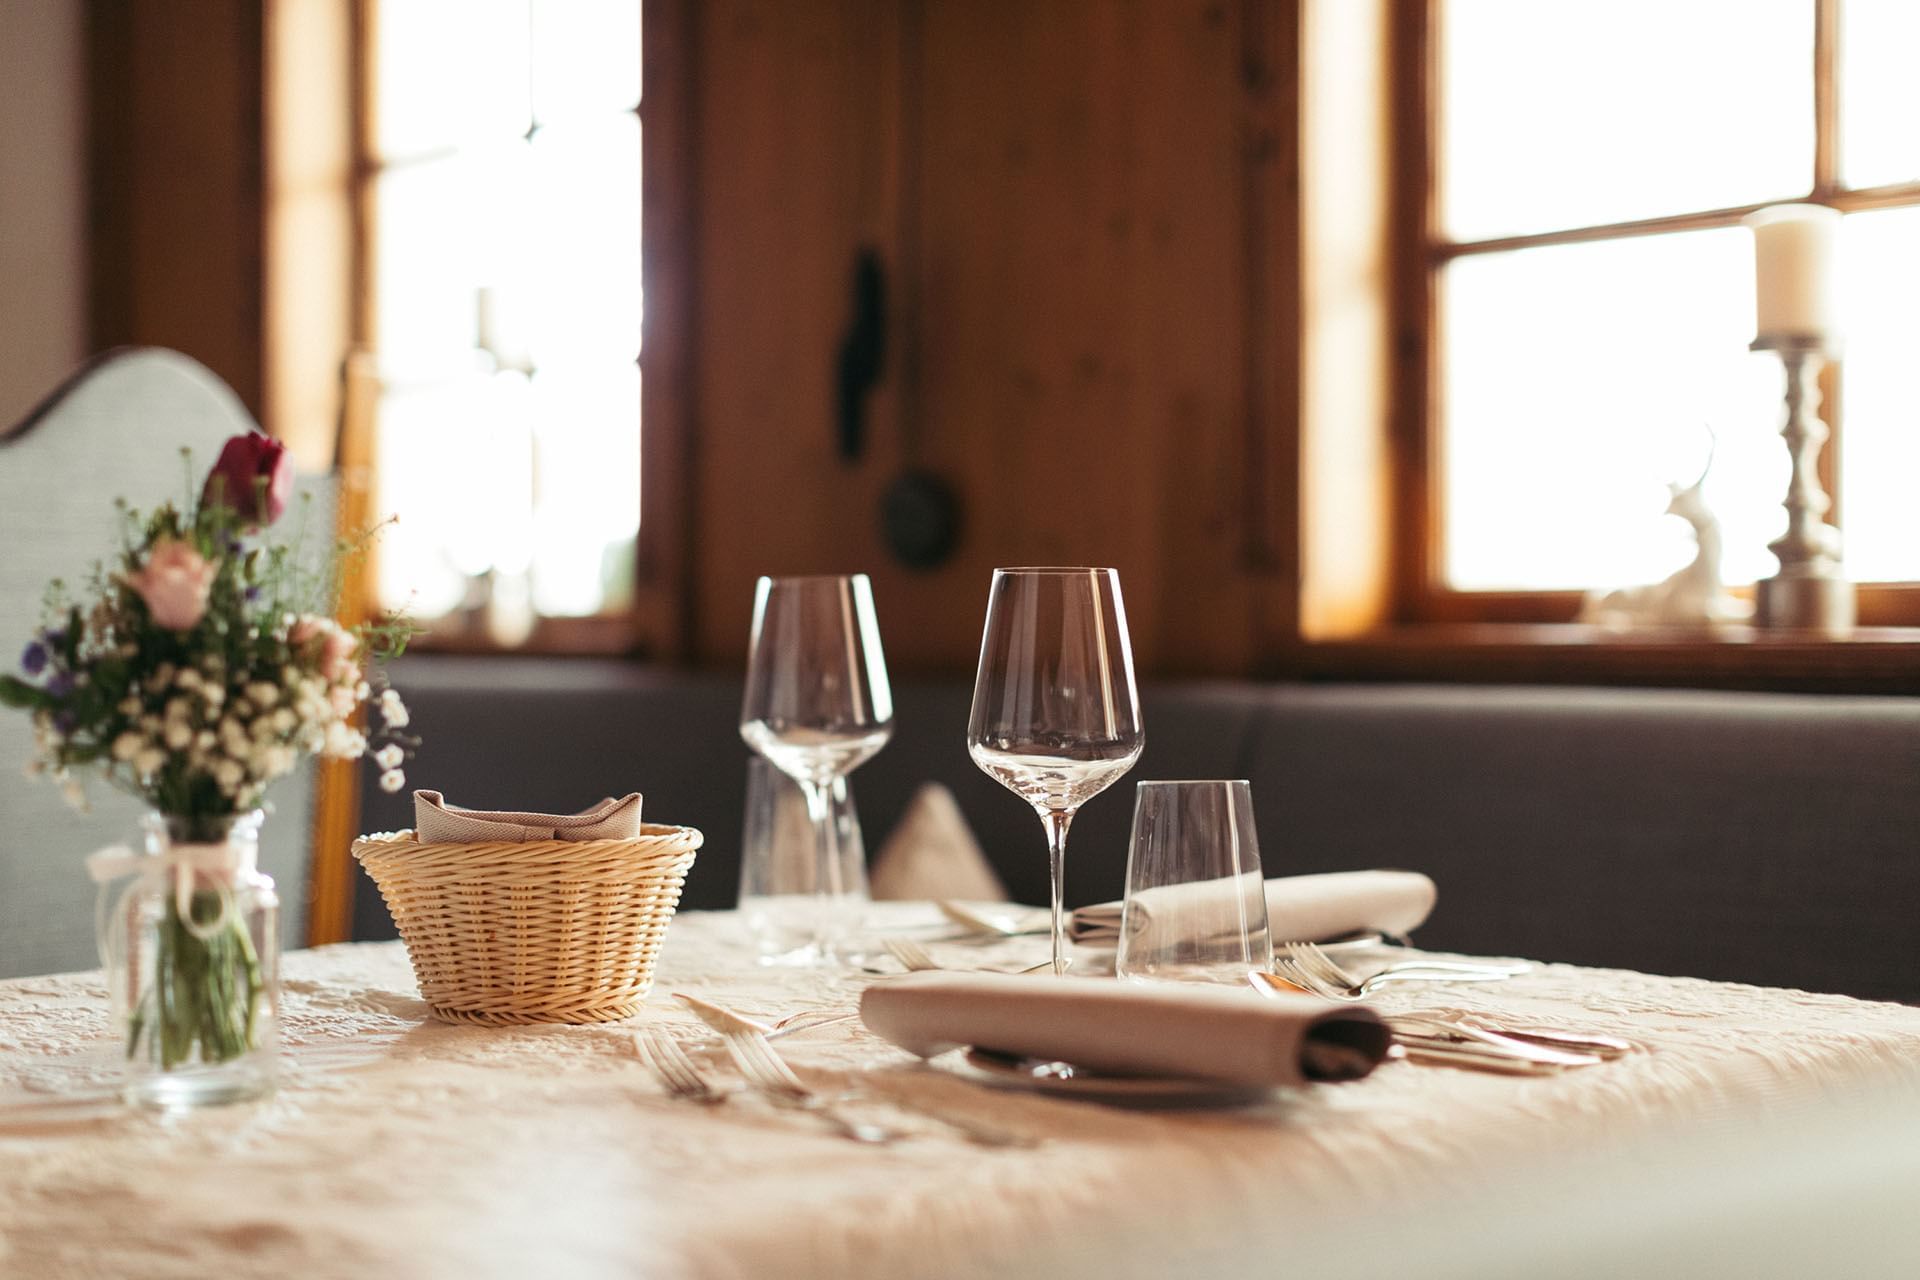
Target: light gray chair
{"x": 114, "y": 429}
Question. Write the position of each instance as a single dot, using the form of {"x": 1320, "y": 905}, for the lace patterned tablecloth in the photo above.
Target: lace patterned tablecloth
{"x": 401, "y": 1146}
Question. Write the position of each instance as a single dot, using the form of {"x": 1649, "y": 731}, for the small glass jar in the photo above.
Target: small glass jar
{"x": 190, "y": 940}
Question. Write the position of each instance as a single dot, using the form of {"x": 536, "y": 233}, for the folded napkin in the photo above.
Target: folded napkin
{"x": 1192, "y": 1032}
{"x": 1299, "y": 908}
{"x": 932, "y": 854}
{"x": 437, "y": 822}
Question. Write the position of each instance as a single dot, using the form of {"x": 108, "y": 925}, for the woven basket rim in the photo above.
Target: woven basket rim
{"x": 650, "y": 834}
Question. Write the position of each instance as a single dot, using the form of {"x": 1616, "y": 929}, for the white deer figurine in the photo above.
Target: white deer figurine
{"x": 1694, "y": 595}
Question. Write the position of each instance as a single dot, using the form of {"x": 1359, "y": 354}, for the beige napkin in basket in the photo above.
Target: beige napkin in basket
{"x": 437, "y": 822}
{"x": 1182, "y": 1030}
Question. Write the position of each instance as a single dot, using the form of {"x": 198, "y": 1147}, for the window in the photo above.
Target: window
{"x": 505, "y": 309}
{"x": 1590, "y": 288}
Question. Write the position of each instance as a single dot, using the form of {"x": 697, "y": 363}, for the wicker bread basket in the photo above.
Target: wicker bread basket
{"x": 504, "y": 932}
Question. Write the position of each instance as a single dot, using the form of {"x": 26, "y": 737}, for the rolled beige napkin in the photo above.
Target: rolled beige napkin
{"x": 1121, "y": 1028}
{"x": 437, "y": 822}
{"x": 1299, "y": 908}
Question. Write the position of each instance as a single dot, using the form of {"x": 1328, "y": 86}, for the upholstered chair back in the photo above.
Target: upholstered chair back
{"x": 115, "y": 429}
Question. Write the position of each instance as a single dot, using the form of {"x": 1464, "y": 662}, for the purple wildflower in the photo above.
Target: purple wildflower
{"x": 252, "y": 594}
{"x": 33, "y": 659}
{"x": 60, "y": 685}
{"x": 65, "y": 721}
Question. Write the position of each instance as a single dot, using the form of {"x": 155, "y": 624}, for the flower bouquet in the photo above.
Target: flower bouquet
{"x": 197, "y": 666}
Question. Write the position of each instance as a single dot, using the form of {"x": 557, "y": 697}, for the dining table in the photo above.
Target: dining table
{"x": 399, "y": 1145}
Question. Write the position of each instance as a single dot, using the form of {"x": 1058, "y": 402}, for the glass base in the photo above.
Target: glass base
{"x": 202, "y": 1086}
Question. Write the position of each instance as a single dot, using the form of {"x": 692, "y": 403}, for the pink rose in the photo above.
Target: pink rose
{"x": 254, "y": 477}
{"x": 330, "y": 646}
{"x": 174, "y": 583}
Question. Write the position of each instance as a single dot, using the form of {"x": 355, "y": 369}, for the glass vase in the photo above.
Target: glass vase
{"x": 189, "y": 933}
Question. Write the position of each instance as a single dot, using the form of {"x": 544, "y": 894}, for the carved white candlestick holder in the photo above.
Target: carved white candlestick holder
{"x": 1811, "y": 592}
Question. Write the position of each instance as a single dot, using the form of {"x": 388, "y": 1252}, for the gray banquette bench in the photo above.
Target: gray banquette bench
{"x": 1766, "y": 838}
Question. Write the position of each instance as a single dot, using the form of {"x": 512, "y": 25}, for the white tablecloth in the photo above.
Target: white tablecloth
{"x": 401, "y": 1146}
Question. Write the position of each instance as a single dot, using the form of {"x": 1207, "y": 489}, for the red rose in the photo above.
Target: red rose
{"x": 254, "y": 478}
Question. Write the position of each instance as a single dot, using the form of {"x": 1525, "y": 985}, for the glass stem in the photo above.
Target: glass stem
{"x": 1057, "y": 821}
{"x": 826, "y": 878}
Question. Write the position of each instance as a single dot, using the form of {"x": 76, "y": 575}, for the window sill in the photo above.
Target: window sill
{"x": 605, "y": 636}
{"x": 1870, "y": 660}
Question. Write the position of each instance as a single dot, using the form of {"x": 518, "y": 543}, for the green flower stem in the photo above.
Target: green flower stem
{"x": 206, "y": 992}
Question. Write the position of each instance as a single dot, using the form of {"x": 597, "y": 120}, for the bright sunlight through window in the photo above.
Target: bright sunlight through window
{"x": 507, "y": 300}
{"x": 1579, "y": 376}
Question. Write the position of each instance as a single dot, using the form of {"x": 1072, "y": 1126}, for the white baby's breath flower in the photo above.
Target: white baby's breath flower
{"x": 228, "y": 775}
{"x": 240, "y": 707}
{"x": 277, "y": 761}
{"x": 178, "y": 709}
{"x": 188, "y": 679}
{"x": 129, "y": 706}
{"x": 149, "y": 761}
{"x": 213, "y": 695}
{"x": 389, "y": 756}
{"x": 127, "y": 746}
{"x": 284, "y": 720}
{"x": 178, "y": 735}
{"x": 263, "y": 694}
{"x": 392, "y": 710}
{"x": 392, "y": 780}
{"x": 205, "y": 740}
{"x": 151, "y": 725}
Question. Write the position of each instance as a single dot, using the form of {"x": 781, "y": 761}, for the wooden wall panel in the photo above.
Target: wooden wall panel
{"x": 795, "y": 152}
{"x": 177, "y": 219}
{"x": 1085, "y": 181}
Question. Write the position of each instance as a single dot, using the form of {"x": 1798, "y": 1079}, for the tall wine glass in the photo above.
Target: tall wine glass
{"x": 1056, "y": 718}
{"x": 817, "y": 706}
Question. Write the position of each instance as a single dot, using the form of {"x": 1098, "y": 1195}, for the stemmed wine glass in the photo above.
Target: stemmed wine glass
{"x": 817, "y": 706}
{"x": 1056, "y": 718}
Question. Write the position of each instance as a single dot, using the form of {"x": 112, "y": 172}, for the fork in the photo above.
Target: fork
{"x": 1309, "y": 959}
{"x": 916, "y": 958}
{"x": 910, "y": 954}
{"x": 731, "y": 1025}
{"x": 995, "y": 924}
{"x": 762, "y": 1069}
{"x": 674, "y": 1069}
{"x": 1288, "y": 973}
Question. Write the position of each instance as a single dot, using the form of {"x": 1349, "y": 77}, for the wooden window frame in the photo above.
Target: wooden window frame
{"x": 658, "y": 622}
{"x": 1419, "y": 594}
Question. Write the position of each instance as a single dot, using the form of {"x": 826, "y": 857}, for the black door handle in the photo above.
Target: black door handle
{"x": 862, "y": 352}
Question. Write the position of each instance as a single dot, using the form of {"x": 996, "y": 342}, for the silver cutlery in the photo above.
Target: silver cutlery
{"x": 1442, "y": 1038}
{"x": 1427, "y": 1053}
{"x": 917, "y": 959}
{"x": 674, "y": 1069}
{"x": 773, "y": 1079}
{"x": 1010, "y": 923}
{"x": 1290, "y": 974}
{"x": 1322, "y": 971}
{"x": 1600, "y": 1046}
{"x": 719, "y": 1017}
{"x": 1440, "y": 1033}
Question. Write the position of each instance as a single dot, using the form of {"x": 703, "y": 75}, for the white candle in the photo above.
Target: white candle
{"x": 1793, "y": 270}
